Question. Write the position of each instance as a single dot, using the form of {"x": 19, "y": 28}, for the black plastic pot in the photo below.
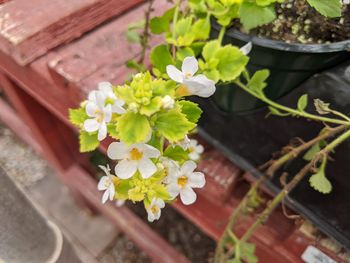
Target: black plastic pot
{"x": 251, "y": 139}
{"x": 289, "y": 65}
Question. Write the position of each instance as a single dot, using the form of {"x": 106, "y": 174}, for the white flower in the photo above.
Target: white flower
{"x": 133, "y": 158}
{"x": 154, "y": 209}
{"x": 182, "y": 181}
{"x": 168, "y": 102}
{"x": 106, "y": 184}
{"x": 119, "y": 202}
{"x": 107, "y": 90}
{"x": 185, "y": 143}
{"x": 195, "y": 150}
{"x": 101, "y": 114}
{"x": 198, "y": 85}
{"x": 346, "y": 2}
{"x": 247, "y": 48}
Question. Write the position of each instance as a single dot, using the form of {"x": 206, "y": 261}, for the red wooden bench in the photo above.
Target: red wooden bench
{"x": 52, "y": 53}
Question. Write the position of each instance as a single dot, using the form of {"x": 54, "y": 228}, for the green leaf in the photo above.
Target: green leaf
{"x": 182, "y": 53}
{"x": 231, "y": 62}
{"x": 258, "y": 81}
{"x": 210, "y": 49}
{"x": 191, "y": 110}
{"x": 275, "y": 111}
{"x": 152, "y": 107}
{"x": 252, "y": 15}
{"x": 320, "y": 183}
{"x": 183, "y": 26}
{"x": 173, "y": 125}
{"x": 77, "y": 116}
{"x": 328, "y": 8}
{"x": 176, "y": 153}
{"x": 302, "y": 102}
{"x": 201, "y": 29}
{"x": 161, "y": 57}
{"x": 133, "y": 36}
{"x": 88, "y": 142}
{"x": 161, "y": 24}
{"x": 112, "y": 130}
{"x": 133, "y": 128}
{"x": 161, "y": 192}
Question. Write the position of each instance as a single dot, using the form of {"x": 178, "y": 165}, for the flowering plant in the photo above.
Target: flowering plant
{"x": 150, "y": 118}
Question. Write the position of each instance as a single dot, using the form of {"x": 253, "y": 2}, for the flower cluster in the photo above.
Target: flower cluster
{"x": 150, "y": 120}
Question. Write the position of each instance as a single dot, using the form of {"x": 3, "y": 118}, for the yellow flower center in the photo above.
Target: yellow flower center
{"x": 188, "y": 75}
{"x": 182, "y": 91}
{"x": 191, "y": 149}
{"x": 182, "y": 181}
{"x": 154, "y": 209}
{"x": 108, "y": 183}
{"x": 135, "y": 154}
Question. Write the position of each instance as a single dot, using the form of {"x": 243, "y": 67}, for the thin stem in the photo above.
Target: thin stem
{"x": 221, "y": 34}
{"x": 146, "y": 34}
{"x": 290, "y": 110}
{"x": 176, "y": 15}
{"x": 290, "y": 186}
{"x": 269, "y": 173}
{"x": 340, "y": 115}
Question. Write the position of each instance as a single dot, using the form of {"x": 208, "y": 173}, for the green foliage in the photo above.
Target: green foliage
{"x": 222, "y": 63}
{"x": 319, "y": 180}
{"x": 132, "y": 34}
{"x": 112, "y": 130}
{"x": 161, "y": 57}
{"x": 191, "y": 110}
{"x": 258, "y": 82}
{"x": 88, "y": 141}
{"x": 161, "y": 24}
{"x": 173, "y": 125}
{"x": 302, "y": 102}
{"x": 277, "y": 112}
{"x": 328, "y": 8}
{"x": 253, "y": 15}
{"x": 315, "y": 149}
{"x": 77, "y": 116}
{"x": 133, "y": 128}
{"x": 176, "y": 153}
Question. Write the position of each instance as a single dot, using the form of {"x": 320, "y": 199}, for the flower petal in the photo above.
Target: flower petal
{"x": 102, "y": 184}
{"x": 199, "y": 149}
{"x": 188, "y": 196}
{"x": 196, "y": 180}
{"x": 107, "y": 113}
{"x": 100, "y": 99}
{"x": 149, "y": 151}
{"x": 173, "y": 190}
{"x": 105, "y": 197}
{"x": 189, "y": 66}
{"x": 125, "y": 169}
{"x": 111, "y": 190}
{"x": 194, "y": 156}
{"x": 159, "y": 202}
{"x": 91, "y": 125}
{"x": 106, "y": 88}
{"x": 91, "y": 109}
{"x": 102, "y": 131}
{"x": 147, "y": 168}
{"x": 247, "y": 48}
{"x": 188, "y": 167}
{"x": 175, "y": 74}
{"x": 117, "y": 108}
{"x": 150, "y": 216}
{"x": 92, "y": 96}
{"x": 201, "y": 86}
{"x": 117, "y": 151}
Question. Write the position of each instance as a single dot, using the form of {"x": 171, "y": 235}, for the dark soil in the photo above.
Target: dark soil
{"x": 179, "y": 232}
{"x": 298, "y": 22}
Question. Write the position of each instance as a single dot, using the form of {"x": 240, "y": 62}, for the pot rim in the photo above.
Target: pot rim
{"x": 283, "y": 46}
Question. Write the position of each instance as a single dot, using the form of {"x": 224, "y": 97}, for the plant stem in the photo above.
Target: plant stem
{"x": 176, "y": 15}
{"x": 290, "y": 186}
{"x": 269, "y": 173}
{"x": 290, "y": 110}
{"x": 221, "y": 34}
{"x": 146, "y": 34}
{"x": 296, "y": 151}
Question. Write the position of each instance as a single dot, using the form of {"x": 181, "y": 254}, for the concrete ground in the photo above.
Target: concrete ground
{"x": 93, "y": 237}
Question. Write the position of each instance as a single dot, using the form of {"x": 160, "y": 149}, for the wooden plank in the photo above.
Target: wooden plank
{"x": 99, "y": 53}
{"x": 30, "y": 28}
